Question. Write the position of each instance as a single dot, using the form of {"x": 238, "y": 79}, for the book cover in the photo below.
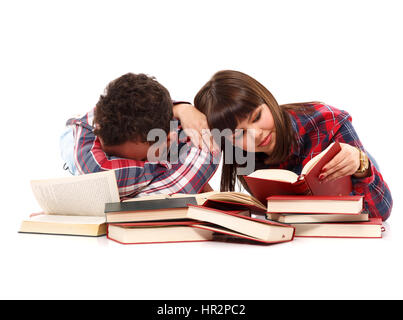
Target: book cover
{"x": 157, "y": 232}
{"x": 226, "y": 235}
{"x": 148, "y": 210}
{"x": 156, "y": 204}
{"x": 266, "y": 230}
{"x": 176, "y": 232}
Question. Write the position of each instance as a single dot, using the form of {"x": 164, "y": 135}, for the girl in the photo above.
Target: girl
{"x": 288, "y": 136}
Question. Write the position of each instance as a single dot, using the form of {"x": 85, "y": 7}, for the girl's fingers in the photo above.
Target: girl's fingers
{"x": 343, "y": 168}
{"x": 338, "y": 174}
{"x": 344, "y": 163}
{"x": 333, "y": 165}
{"x": 206, "y": 139}
{"x": 195, "y": 138}
{"x": 203, "y": 140}
{"x": 215, "y": 149}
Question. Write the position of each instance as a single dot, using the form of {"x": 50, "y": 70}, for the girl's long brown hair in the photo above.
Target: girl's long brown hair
{"x": 231, "y": 96}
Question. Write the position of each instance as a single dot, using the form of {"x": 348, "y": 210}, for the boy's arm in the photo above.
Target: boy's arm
{"x": 133, "y": 177}
{"x": 190, "y": 174}
{"x": 207, "y": 188}
{"x": 89, "y": 157}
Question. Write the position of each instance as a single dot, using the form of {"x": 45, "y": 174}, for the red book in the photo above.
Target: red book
{"x": 315, "y": 204}
{"x": 233, "y": 206}
{"x": 157, "y": 232}
{"x": 241, "y": 225}
{"x": 179, "y": 231}
{"x": 267, "y": 182}
{"x": 370, "y": 229}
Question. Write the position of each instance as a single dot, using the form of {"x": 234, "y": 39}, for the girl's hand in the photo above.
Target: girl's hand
{"x": 195, "y": 125}
{"x": 345, "y": 163}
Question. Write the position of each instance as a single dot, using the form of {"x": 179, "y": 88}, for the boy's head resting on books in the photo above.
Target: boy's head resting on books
{"x": 131, "y": 106}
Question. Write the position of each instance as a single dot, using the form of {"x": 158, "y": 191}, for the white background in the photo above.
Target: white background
{"x": 56, "y": 59}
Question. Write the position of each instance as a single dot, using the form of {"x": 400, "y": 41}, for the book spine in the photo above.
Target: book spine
{"x": 301, "y": 187}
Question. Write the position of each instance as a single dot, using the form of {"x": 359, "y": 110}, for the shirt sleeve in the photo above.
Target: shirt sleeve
{"x": 377, "y": 196}
{"x": 188, "y": 174}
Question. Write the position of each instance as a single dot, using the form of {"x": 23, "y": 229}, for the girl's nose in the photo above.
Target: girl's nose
{"x": 258, "y": 133}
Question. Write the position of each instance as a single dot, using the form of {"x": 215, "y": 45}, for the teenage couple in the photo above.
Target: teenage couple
{"x": 133, "y": 130}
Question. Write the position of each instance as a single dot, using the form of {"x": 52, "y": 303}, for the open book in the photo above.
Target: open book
{"x": 175, "y": 206}
{"x": 267, "y": 182}
{"x": 73, "y": 205}
{"x": 215, "y": 199}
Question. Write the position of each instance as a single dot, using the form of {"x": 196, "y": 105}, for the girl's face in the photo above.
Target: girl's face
{"x": 257, "y": 132}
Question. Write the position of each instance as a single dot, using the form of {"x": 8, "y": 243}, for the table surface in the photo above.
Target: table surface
{"x": 70, "y": 267}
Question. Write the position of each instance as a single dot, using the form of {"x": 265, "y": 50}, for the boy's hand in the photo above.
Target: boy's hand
{"x": 207, "y": 188}
{"x": 195, "y": 125}
{"x": 345, "y": 163}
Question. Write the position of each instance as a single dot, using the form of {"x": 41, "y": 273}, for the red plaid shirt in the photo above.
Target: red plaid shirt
{"x": 315, "y": 131}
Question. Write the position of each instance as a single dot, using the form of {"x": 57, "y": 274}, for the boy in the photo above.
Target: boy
{"x": 114, "y": 136}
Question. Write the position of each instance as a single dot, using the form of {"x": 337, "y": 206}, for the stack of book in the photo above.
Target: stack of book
{"x": 313, "y": 207}
{"x": 185, "y": 218}
{"x": 89, "y": 205}
{"x": 281, "y": 205}
{"x": 324, "y": 216}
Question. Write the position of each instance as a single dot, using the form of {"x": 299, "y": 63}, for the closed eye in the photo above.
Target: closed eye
{"x": 257, "y": 117}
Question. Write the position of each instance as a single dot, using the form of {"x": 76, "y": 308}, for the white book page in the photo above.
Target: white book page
{"x": 83, "y": 195}
{"x": 275, "y": 174}
{"x": 53, "y": 218}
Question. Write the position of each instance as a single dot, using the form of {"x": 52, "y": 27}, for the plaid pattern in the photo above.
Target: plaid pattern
{"x": 139, "y": 178}
{"x": 314, "y": 132}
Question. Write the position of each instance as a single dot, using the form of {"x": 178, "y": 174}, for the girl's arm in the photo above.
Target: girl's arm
{"x": 370, "y": 184}
{"x": 195, "y": 125}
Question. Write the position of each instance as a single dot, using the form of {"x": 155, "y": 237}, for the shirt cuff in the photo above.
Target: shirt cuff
{"x": 366, "y": 180}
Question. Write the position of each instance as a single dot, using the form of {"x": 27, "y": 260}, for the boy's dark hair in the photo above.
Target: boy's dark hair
{"x": 132, "y": 105}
